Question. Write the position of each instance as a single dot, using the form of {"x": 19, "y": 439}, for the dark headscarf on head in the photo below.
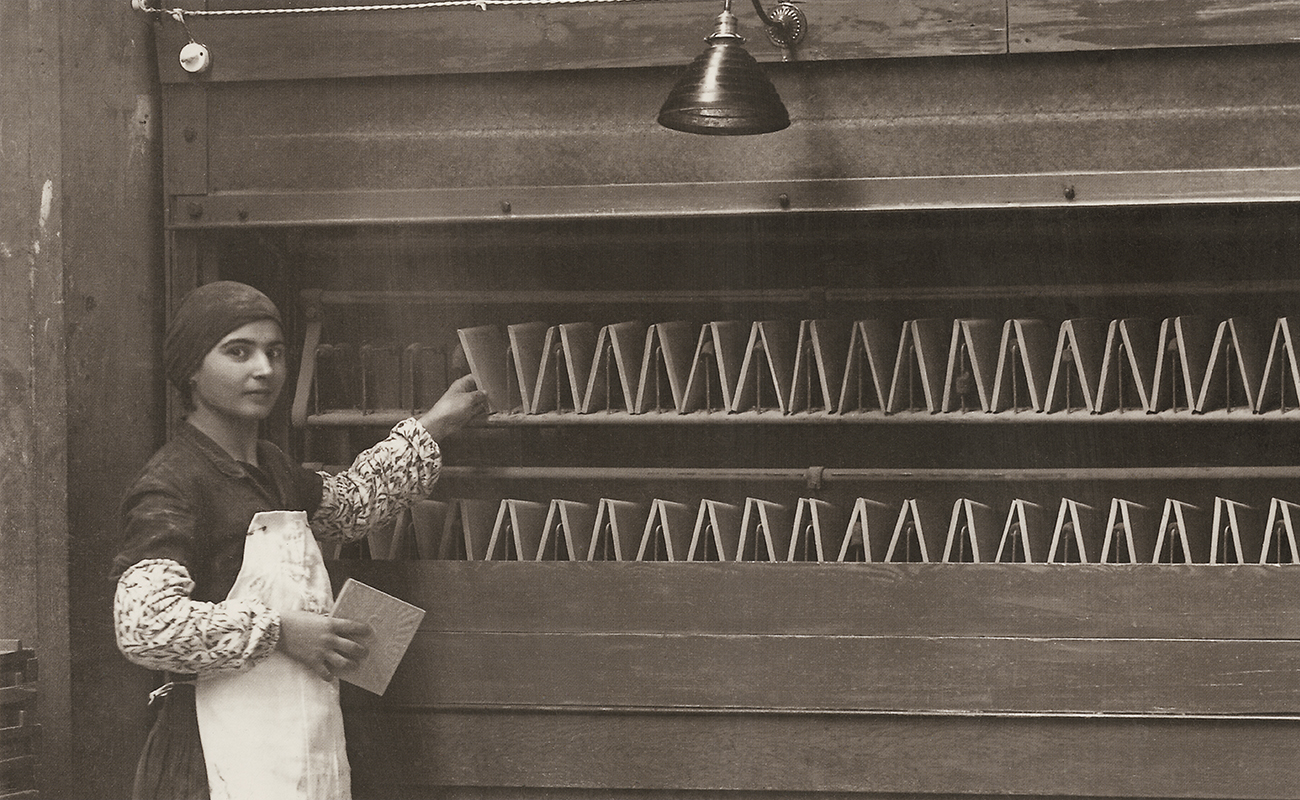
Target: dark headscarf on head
{"x": 204, "y": 318}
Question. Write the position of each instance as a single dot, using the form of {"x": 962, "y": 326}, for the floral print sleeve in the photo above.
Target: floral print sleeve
{"x": 381, "y": 482}
{"x": 159, "y": 627}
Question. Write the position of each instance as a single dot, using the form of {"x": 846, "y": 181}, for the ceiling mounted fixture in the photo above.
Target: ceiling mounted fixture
{"x": 724, "y": 92}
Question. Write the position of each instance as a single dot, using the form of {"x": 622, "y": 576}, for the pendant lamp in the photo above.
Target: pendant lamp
{"x": 724, "y": 92}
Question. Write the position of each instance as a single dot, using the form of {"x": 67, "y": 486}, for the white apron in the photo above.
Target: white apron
{"x": 275, "y": 731}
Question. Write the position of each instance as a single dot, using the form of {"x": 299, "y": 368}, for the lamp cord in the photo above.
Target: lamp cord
{"x": 482, "y": 5}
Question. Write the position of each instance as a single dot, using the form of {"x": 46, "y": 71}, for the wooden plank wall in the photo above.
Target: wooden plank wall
{"x": 670, "y": 32}
{"x": 459, "y": 146}
{"x": 593, "y": 36}
{"x": 1037, "y": 26}
{"x": 434, "y": 115}
{"x": 872, "y": 679}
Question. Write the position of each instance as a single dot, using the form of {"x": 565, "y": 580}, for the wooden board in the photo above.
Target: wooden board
{"x": 900, "y": 674}
{"x": 944, "y": 133}
{"x": 659, "y": 676}
{"x": 1031, "y": 600}
{"x": 613, "y": 35}
{"x": 1056, "y": 25}
{"x": 640, "y": 755}
{"x": 431, "y": 41}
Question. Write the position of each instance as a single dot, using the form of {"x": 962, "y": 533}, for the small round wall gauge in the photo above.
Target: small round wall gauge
{"x": 195, "y": 57}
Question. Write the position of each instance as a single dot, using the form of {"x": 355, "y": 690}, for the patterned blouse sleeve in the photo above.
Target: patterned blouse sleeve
{"x": 159, "y": 627}
{"x": 382, "y": 481}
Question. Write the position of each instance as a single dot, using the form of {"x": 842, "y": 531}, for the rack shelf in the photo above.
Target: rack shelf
{"x": 1081, "y": 516}
{"x": 808, "y": 356}
{"x": 386, "y": 418}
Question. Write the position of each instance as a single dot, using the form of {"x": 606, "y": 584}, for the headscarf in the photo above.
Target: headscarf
{"x": 203, "y": 319}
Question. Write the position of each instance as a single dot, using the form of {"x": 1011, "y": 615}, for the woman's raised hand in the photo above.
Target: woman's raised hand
{"x": 461, "y": 404}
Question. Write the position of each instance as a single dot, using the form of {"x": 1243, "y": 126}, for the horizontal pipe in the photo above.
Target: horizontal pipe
{"x": 513, "y": 298}
{"x": 819, "y": 295}
{"x": 389, "y": 417}
{"x": 828, "y": 475}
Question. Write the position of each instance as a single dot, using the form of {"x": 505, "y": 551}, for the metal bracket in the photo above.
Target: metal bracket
{"x": 786, "y": 23}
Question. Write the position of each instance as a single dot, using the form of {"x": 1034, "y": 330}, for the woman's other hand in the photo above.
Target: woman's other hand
{"x": 325, "y": 645}
{"x": 461, "y": 404}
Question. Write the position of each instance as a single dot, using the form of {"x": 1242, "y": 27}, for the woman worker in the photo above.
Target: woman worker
{"x": 221, "y": 584}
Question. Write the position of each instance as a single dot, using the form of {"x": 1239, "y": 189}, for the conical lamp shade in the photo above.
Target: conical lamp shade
{"x": 725, "y": 93}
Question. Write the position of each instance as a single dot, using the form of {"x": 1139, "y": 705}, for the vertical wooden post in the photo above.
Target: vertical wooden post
{"x": 113, "y": 308}
{"x": 33, "y": 404}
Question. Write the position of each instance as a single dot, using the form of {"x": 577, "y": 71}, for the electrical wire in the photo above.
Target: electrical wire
{"x": 179, "y": 14}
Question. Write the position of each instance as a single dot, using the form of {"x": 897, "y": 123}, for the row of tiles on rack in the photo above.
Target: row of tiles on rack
{"x": 816, "y": 530}
{"x": 935, "y": 365}
{"x": 1186, "y": 363}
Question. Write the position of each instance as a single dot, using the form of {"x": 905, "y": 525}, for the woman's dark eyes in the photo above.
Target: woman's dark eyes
{"x": 240, "y": 352}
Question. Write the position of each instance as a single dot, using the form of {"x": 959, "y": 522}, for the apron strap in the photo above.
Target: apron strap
{"x": 172, "y": 681}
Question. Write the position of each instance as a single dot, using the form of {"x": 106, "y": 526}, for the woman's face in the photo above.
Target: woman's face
{"x": 241, "y": 377}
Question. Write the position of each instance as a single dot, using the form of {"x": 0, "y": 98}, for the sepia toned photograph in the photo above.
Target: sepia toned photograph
{"x": 649, "y": 400}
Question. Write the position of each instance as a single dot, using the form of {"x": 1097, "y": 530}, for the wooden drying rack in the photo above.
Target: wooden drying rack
{"x": 963, "y": 370}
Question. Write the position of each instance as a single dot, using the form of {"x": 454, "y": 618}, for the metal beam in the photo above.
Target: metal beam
{"x": 350, "y": 207}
